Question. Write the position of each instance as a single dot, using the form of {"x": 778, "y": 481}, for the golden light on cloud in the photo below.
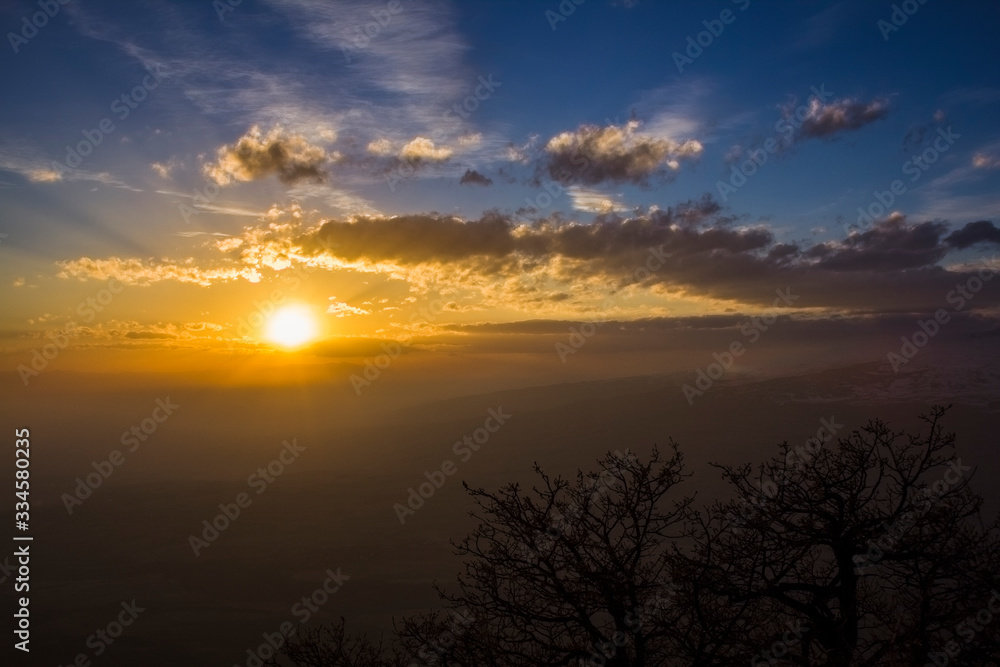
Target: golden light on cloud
{"x": 292, "y": 326}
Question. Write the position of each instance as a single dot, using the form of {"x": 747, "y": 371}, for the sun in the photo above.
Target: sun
{"x": 292, "y": 326}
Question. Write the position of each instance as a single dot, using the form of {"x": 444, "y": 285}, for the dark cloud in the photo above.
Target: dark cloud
{"x": 255, "y": 155}
{"x": 430, "y": 238}
{"x": 614, "y": 154}
{"x": 413, "y": 239}
{"x": 473, "y": 177}
{"x": 892, "y": 245}
{"x": 824, "y": 121}
{"x": 982, "y": 231}
{"x": 699, "y": 251}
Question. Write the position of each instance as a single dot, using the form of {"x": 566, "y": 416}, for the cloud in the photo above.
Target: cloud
{"x": 44, "y": 176}
{"x": 133, "y": 271}
{"x": 692, "y": 253}
{"x": 398, "y": 160}
{"x": 162, "y": 170}
{"x": 422, "y": 149}
{"x": 982, "y": 231}
{"x": 341, "y": 309}
{"x": 381, "y": 146}
{"x": 891, "y": 266}
{"x": 343, "y": 201}
{"x": 255, "y": 156}
{"x": 985, "y": 161}
{"x": 615, "y": 153}
{"x": 37, "y": 170}
{"x": 473, "y": 177}
{"x": 824, "y": 121}
{"x": 891, "y": 245}
{"x": 167, "y": 168}
{"x": 593, "y": 201}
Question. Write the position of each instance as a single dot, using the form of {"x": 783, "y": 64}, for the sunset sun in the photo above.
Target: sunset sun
{"x": 292, "y": 326}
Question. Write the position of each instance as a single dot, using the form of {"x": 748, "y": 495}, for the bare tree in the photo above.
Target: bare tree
{"x": 870, "y": 552}
{"x": 572, "y": 572}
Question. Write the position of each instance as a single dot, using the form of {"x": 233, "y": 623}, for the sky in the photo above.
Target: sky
{"x": 363, "y": 225}
{"x": 480, "y": 176}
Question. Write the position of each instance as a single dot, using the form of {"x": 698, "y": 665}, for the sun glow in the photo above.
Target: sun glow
{"x": 292, "y": 326}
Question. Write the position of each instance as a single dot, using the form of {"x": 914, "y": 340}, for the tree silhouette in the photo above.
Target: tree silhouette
{"x": 874, "y": 549}
{"x": 570, "y": 570}
{"x": 871, "y": 552}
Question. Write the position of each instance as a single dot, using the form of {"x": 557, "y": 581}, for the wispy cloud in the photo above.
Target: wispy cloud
{"x": 594, "y": 201}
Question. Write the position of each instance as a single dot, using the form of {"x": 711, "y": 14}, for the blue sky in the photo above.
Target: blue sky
{"x": 270, "y": 109}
